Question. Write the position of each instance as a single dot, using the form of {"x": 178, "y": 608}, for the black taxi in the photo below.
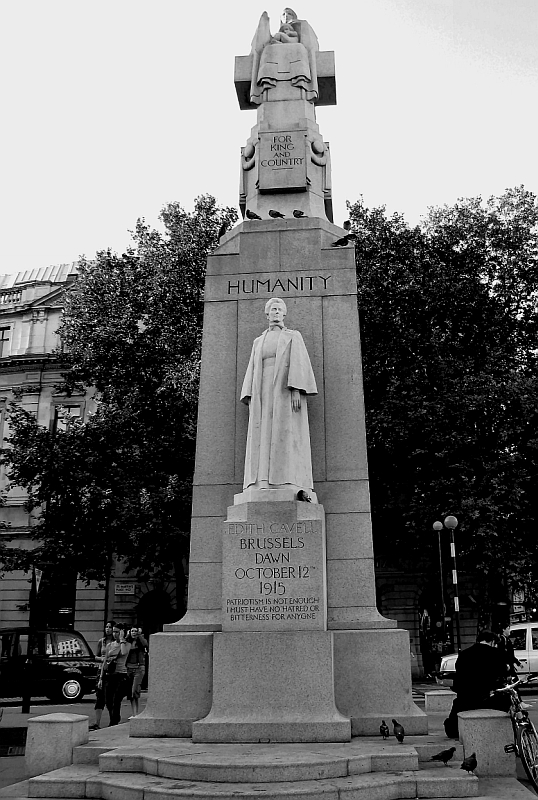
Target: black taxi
{"x": 60, "y": 665}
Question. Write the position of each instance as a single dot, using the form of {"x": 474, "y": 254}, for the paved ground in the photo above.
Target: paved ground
{"x": 12, "y": 768}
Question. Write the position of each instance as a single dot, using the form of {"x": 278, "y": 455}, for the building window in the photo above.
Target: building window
{"x": 64, "y": 415}
{"x": 4, "y": 340}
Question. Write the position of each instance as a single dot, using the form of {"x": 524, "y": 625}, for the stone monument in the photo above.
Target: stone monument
{"x": 282, "y": 640}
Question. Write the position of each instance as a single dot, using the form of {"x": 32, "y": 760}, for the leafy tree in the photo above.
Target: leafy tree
{"x": 450, "y": 342}
{"x": 120, "y": 482}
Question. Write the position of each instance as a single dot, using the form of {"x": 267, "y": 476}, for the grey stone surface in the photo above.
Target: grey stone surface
{"x": 274, "y": 567}
{"x": 349, "y": 536}
{"x": 373, "y": 680}
{"x": 283, "y": 691}
{"x": 486, "y": 732}
{"x": 439, "y": 700}
{"x": 180, "y": 684}
{"x": 51, "y": 739}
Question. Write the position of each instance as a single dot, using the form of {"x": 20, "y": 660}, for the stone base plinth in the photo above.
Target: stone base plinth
{"x": 372, "y": 680}
{"x": 485, "y": 732}
{"x": 253, "y": 495}
{"x": 51, "y": 739}
{"x": 180, "y": 684}
{"x": 273, "y": 687}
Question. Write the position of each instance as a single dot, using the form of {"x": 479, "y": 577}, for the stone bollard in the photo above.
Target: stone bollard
{"x": 486, "y": 732}
{"x": 51, "y": 739}
{"x": 439, "y": 700}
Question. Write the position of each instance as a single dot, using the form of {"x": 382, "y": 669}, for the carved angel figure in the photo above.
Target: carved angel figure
{"x": 289, "y": 55}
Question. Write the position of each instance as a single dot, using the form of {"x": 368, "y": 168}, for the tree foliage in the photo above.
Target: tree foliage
{"x": 120, "y": 482}
{"x": 450, "y": 341}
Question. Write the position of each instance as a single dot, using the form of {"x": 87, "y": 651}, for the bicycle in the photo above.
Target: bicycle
{"x": 525, "y": 737}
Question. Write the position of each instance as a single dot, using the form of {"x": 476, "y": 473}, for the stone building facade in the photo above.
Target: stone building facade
{"x": 30, "y": 369}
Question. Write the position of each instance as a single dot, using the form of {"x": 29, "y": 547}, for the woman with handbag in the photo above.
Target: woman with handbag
{"x": 99, "y": 692}
{"x": 136, "y": 665}
{"x": 114, "y": 679}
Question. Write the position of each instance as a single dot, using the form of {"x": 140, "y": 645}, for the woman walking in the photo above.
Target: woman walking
{"x": 136, "y": 665}
{"x": 99, "y": 691}
{"x": 114, "y": 679}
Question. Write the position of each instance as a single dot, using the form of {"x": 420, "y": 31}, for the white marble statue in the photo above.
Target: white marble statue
{"x": 278, "y": 378}
{"x": 289, "y": 55}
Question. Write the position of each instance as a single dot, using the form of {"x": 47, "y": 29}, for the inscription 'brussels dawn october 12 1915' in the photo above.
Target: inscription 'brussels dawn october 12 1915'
{"x": 273, "y": 576}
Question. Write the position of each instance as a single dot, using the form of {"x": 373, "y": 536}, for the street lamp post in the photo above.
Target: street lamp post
{"x": 438, "y": 526}
{"x": 451, "y": 523}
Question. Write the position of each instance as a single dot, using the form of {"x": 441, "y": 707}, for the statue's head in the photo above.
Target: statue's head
{"x": 288, "y": 15}
{"x": 275, "y": 310}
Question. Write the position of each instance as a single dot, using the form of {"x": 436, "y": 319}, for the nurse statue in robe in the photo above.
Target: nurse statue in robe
{"x": 278, "y": 378}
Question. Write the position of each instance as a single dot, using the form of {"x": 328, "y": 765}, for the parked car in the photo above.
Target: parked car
{"x": 62, "y": 665}
{"x": 524, "y": 637}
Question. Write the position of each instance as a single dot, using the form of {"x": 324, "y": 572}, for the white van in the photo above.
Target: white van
{"x": 524, "y": 637}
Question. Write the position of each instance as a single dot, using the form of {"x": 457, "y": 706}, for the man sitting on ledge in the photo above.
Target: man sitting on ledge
{"x": 479, "y": 669}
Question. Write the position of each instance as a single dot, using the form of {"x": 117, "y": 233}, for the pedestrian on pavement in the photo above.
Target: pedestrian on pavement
{"x": 99, "y": 691}
{"x": 136, "y": 666}
{"x": 506, "y": 648}
{"x": 114, "y": 679}
{"x": 479, "y": 669}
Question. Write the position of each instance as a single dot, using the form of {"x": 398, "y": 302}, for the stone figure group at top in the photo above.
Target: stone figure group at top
{"x": 278, "y": 378}
{"x": 288, "y": 54}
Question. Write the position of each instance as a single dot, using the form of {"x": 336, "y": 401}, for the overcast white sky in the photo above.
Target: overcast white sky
{"x": 112, "y": 108}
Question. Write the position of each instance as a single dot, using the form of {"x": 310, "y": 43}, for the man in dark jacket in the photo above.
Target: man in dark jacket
{"x": 479, "y": 669}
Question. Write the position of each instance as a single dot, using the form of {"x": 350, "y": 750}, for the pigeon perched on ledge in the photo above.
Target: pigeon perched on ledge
{"x": 276, "y": 214}
{"x": 445, "y": 756}
{"x": 299, "y": 214}
{"x": 345, "y": 240}
{"x": 398, "y": 730}
{"x": 251, "y": 215}
{"x": 470, "y": 763}
{"x": 384, "y": 729}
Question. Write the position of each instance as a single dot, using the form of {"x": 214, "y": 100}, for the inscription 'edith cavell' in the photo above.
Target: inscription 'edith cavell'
{"x": 273, "y": 576}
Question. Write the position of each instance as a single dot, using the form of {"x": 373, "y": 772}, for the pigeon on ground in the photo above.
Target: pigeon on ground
{"x": 298, "y": 214}
{"x": 276, "y": 214}
{"x": 398, "y": 730}
{"x": 384, "y": 729}
{"x": 344, "y": 241}
{"x": 347, "y": 225}
{"x": 469, "y": 763}
{"x": 252, "y": 215}
{"x": 444, "y": 756}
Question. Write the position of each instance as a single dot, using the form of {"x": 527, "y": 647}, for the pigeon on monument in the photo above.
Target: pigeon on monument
{"x": 303, "y": 496}
{"x": 445, "y": 755}
{"x": 298, "y": 214}
{"x": 344, "y": 241}
{"x": 222, "y": 230}
{"x": 398, "y": 730}
{"x": 470, "y": 763}
{"x": 276, "y": 214}
{"x": 251, "y": 214}
{"x": 384, "y": 729}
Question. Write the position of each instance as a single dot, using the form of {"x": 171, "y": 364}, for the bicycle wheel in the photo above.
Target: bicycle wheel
{"x": 527, "y": 745}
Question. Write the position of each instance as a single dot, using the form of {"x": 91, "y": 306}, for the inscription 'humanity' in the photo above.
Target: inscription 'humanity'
{"x": 299, "y": 283}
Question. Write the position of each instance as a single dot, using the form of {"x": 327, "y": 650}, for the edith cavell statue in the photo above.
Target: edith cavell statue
{"x": 278, "y": 378}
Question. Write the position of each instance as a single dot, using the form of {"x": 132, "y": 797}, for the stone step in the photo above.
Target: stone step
{"x": 87, "y": 782}
{"x": 260, "y": 764}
